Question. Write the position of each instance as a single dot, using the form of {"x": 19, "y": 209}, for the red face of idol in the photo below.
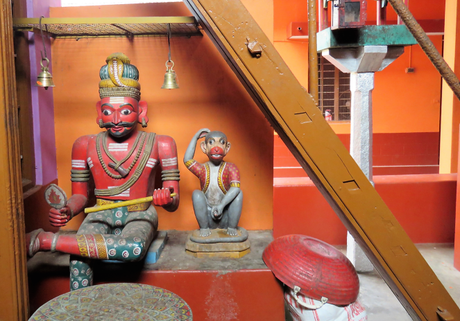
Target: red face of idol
{"x": 119, "y": 115}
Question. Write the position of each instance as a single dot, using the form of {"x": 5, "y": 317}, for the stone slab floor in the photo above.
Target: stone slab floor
{"x": 379, "y": 300}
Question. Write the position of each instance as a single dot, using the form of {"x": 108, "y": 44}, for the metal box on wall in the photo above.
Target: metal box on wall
{"x": 348, "y": 14}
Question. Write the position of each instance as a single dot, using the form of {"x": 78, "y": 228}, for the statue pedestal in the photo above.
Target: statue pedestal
{"x": 223, "y": 248}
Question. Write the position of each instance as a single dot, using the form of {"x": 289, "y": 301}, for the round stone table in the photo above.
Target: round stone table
{"x": 115, "y": 301}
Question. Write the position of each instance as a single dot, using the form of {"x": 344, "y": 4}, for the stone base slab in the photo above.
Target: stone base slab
{"x": 223, "y": 249}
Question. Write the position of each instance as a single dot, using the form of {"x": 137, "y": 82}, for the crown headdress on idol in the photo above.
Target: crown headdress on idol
{"x": 119, "y": 78}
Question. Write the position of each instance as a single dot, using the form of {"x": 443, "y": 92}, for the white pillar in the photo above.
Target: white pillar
{"x": 361, "y": 86}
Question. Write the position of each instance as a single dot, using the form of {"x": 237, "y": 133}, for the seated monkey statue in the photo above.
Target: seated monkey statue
{"x": 219, "y": 203}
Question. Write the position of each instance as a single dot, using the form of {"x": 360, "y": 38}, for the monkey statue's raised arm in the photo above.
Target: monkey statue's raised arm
{"x": 190, "y": 152}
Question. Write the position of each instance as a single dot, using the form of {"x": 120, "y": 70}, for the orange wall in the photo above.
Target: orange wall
{"x": 405, "y": 102}
{"x": 421, "y": 9}
{"x": 392, "y": 154}
{"x": 297, "y": 11}
{"x": 424, "y": 205}
{"x": 294, "y": 52}
{"x": 210, "y": 96}
{"x": 402, "y": 103}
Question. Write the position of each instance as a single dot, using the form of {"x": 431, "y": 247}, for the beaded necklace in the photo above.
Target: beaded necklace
{"x": 137, "y": 173}
{"x": 116, "y": 165}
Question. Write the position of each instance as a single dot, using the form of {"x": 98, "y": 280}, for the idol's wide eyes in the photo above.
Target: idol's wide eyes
{"x": 222, "y": 141}
{"x": 107, "y": 112}
{"x": 211, "y": 142}
{"x": 126, "y": 112}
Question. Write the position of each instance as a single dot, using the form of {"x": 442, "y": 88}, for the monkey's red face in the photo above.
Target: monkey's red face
{"x": 215, "y": 148}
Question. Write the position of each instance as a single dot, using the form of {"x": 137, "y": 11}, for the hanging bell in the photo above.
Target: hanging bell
{"x": 44, "y": 78}
{"x": 170, "y": 81}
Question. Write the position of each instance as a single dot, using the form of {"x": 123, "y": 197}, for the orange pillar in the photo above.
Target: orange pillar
{"x": 457, "y": 223}
{"x": 450, "y": 108}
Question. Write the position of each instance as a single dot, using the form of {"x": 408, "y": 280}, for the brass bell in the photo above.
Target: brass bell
{"x": 44, "y": 78}
{"x": 170, "y": 81}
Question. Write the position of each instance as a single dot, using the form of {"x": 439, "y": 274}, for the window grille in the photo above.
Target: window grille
{"x": 334, "y": 95}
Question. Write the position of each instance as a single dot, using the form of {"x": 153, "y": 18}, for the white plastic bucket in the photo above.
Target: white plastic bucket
{"x": 327, "y": 312}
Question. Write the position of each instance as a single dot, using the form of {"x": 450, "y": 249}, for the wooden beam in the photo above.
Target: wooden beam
{"x": 13, "y": 273}
{"x": 294, "y": 115}
{"x": 103, "y": 20}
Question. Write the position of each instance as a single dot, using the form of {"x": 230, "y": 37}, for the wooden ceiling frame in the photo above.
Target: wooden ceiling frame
{"x": 110, "y": 26}
{"x": 294, "y": 115}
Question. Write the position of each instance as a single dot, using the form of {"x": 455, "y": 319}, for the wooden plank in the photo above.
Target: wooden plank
{"x": 295, "y": 116}
{"x": 13, "y": 272}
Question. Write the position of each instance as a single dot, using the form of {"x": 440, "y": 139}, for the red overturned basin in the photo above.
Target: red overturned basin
{"x": 319, "y": 269}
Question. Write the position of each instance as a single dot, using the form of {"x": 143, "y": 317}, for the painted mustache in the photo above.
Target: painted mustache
{"x": 123, "y": 124}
